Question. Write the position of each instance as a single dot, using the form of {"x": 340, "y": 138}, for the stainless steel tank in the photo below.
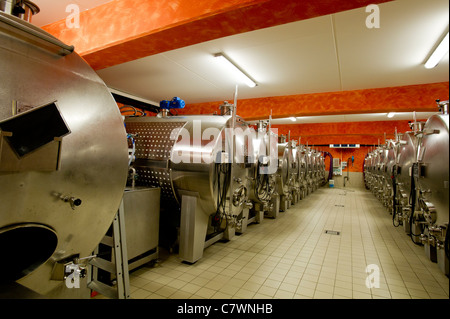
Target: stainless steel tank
{"x": 189, "y": 157}
{"x": 322, "y": 169}
{"x": 371, "y": 169}
{"x": 432, "y": 179}
{"x": 310, "y": 170}
{"x": 406, "y": 157}
{"x": 366, "y": 169}
{"x": 380, "y": 155}
{"x": 388, "y": 174}
{"x": 262, "y": 172}
{"x": 261, "y": 181}
{"x": 319, "y": 169}
{"x": 296, "y": 172}
{"x": 284, "y": 176}
{"x": 313, "y": 169}
{"x": 63, "y": 156}
{"x": 433, "y": 175}
{"x": 303, "y": 171}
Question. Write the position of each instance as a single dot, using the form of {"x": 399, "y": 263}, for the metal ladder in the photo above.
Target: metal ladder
{"x": 119, "y": 264}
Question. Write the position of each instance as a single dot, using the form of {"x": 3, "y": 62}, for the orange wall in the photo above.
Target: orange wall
{"x": 400, "y": 99}
{"x": 368, "y": 133}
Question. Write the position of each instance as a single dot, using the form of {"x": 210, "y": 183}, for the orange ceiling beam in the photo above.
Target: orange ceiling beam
{"x": 126, "y": 30}
{"x": 420, "y": 98}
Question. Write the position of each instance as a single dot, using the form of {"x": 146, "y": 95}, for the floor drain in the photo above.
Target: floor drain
{"x": 332, "y": 232}
{"x": 339, "y": 205}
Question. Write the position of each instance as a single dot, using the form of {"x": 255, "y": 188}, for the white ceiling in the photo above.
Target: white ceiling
{"x": 324, "y": 54}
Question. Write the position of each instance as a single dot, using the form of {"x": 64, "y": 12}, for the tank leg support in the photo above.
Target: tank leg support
{"x": 284, "y": 203}
{"x": 274, "y": 206}
{"x": 442, "y": 261}
{"x": 245, "y": 221}
{"x": 193, "y": 228}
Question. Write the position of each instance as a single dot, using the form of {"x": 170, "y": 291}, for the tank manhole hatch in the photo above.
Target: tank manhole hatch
{"x": 332, "y": 232}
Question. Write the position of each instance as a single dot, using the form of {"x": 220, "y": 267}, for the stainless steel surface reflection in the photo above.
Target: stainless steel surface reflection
{"x": 69, "y": 180}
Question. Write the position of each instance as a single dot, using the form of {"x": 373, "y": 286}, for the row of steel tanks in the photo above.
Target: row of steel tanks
{"x": 409, "y": 175}
{"x": 301, "y": 171}
{"x": 217, "y": 174}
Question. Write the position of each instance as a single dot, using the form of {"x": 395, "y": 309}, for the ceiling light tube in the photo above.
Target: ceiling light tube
{"x": 438, "y": 53}
{"x": 391, "y": 115}
{"x": 240, "y": 74}
{"x": 293, "y": 119}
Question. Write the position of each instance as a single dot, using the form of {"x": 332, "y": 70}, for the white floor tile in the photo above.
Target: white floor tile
{"x": 291, "y": 257}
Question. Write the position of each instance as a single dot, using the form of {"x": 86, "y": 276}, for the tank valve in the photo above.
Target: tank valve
{"x": 423, "y": 238}
{"x": 74, "y": 202}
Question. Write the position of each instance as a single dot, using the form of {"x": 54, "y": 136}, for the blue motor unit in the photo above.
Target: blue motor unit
{"x": 175, "y": 103}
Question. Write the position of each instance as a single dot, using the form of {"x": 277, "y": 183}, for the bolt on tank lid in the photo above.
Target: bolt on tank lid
{"x": 226, "y": 108}
{"x": 23, "y": 9}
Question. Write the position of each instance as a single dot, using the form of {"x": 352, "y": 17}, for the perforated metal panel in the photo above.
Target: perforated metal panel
{"x": 157, "y": 177}
{"x": 154, "y": 142}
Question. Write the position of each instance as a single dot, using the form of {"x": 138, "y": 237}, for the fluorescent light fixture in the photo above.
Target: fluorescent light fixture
{"x": 239, "y": 74}
{"x": 438, "y": 54}
{"x": 293, "y": 119}
{"x": 391, "y": 115}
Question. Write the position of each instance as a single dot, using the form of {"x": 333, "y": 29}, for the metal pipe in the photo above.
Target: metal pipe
{"x": 348, "y": 169}
{"x": 270, "y": 133}
{"x": 232, "y": 151}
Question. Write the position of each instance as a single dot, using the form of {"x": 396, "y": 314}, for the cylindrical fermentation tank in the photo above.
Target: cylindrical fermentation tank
{"x": 378, "y": 161}
{"x": 388, "y": 174}
{"x": 183, "y": 152}
{"x": 303, "y": 171}
{"x": 319, "y": 168}
{"x": 296, "y": 172}
{"x": 406, "y": 157}
{"x": 366, "y": 169}
{"x": 322, "y": 169}
{"x": 310, "y": 170}
{"x": 63, "y": 157}
{"x": 191, "y": 157}
{"x": 432, "y": 179}
{"x": 265, "y": 161}
{"x": 433, "y": 175}
{"x": 285, "y": 172}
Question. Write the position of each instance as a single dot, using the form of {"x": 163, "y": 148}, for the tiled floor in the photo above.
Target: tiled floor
{"x": 293, "y": 257}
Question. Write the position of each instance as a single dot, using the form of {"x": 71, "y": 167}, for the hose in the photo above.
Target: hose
{"x": 446, "y": 243}
{"x": 412, "y": 203}
{"x": 133, "y": 152}
{"x": 135, "y": 110}
{"x": 330, "y": 169}
{"x": 394, "y": 196}
{"x": 221, "y": 195}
